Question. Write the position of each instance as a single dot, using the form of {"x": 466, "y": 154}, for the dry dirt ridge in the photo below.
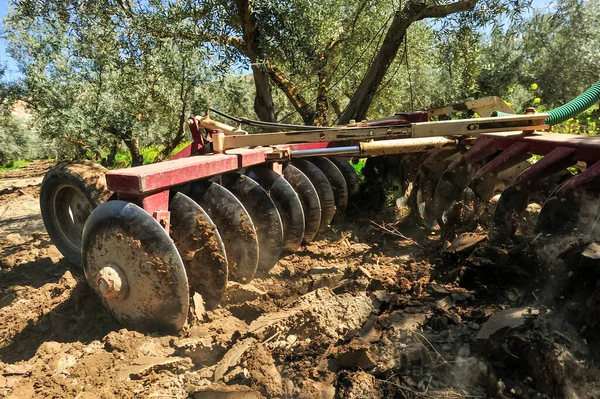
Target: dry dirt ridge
{"x": 357, "y": 313}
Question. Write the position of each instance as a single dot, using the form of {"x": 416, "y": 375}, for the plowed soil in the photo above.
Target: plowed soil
{"x": 361, "y": 312}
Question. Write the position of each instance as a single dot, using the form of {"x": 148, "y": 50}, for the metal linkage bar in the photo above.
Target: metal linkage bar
{"x": 483, "y": 106}
{"x": 462, "y": 127}
{"x": 383, "y": 147}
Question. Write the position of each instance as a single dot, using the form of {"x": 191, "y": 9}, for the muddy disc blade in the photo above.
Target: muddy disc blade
{"x": 349, "y": 175}
{"x": 201, "y": 248}
{"x": 476, "y": 203}
{"x": 427, "y": 179}
{"x": 577, "y": 213}
{"x": 448, "y": 190}
{"x": 485, "y": 187}
{"x": 309, "y": 199}
{"x": 510, "y": 213}
{"x": 337, "y": 182}
{"x": 264, "y": 215}
{"x": 287, "y": 202}
{"x": 234, "y": 225}
{"x": 512, "y": 203}
{"x": 131, "y": 263}
{"x": 324, "y": 191}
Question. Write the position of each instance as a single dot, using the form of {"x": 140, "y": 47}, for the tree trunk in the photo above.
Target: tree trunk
{"x": 109, "y": 161}
{"x": 176, "y": 140}
{"x": 322, "y": 102}
{"x": 412, "y": 12}
{"x": 133, "y": 143}
{"x": 305, "y": 110}
{"x": 263, "y": 100}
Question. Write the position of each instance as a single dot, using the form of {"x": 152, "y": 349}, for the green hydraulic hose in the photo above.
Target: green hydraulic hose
{"x": 571, "y": 109}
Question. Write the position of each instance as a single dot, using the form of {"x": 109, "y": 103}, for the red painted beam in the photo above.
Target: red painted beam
{"x": 154, "y": 177}
{"x": 586, "y": 148}
{"x": 160, "y": 176}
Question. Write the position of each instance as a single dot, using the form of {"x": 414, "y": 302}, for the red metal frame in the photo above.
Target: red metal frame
{"x": 148, "y": 186}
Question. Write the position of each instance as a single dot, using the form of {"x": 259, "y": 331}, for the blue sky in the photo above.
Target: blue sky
{"x": 4, "y": 58}
{"x": 13, "y": 72}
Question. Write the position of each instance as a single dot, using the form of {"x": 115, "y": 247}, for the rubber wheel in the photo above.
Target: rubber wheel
{"x": 70, "y": 192}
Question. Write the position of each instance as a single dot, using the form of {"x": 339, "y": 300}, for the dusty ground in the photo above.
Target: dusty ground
{"x": 357, "y": 313}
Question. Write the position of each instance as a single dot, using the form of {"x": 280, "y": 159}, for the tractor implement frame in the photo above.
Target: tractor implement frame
{"x": 148, "y": 186}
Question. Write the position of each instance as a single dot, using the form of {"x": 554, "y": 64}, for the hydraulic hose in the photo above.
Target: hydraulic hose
{"x": 574, "y": 107}
{"x": 571, "y": 109}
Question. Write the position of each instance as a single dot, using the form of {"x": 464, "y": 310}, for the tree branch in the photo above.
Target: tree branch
{"x": 304, "y": 108}
{"x": 413, "y": 11}
{"x": 442, "y": 11}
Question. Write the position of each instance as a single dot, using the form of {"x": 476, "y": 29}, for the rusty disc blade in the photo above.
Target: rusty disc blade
{"x": 264, "y": 215}
{"x": 234, "y": 225}
{"x": 337, "y": 182}
{"x": 287, "y": 202}
{"x": 201, "y": 248}
{"x": 324, "y": 191}
{"x": 309, "y": 199}
{"x": 349, "y": 175}
{"x": 131, "y": 263}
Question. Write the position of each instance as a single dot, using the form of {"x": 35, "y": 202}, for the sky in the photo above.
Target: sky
{"x": 12, "y": 72}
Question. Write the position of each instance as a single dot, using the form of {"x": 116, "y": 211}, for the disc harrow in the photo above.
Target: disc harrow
{"x": 231, "y": 204}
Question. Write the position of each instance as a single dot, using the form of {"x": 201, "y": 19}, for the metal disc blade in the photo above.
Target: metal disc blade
{"x": 349, "y": 174}
{"x": 131, "y": 263}
{"x": 287, "y": 202}
{"x": 512, "y": 203}
{"x": 201, "y": 248}
{"x": 427, "y": 179}
{"x": 309, "y": 199}
{"x": 234, "y": 225}
{"x": 337, "y": 182}
{"x": 485, "y": 187}
{"x": 324, "y": 191}
{"x": 575, "y": 214}
{"x": 448, "y": 190}
{"x": 264, "y": 215}
{"x": 510, "y": 214}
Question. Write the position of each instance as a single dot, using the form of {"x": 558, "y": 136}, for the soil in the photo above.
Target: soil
{"x": 358, "y": 313}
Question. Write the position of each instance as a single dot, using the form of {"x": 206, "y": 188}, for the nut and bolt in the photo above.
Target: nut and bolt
{"x": 112, "y": 283}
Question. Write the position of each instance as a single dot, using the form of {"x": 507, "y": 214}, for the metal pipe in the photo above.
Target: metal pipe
{"x": 351, "y": 150}
{"x": 402, "y": 146}
{"x": 382, "y": 147}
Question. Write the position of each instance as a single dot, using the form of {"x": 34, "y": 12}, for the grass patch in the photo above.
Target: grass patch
{"x": 123, "y": 157}
{"x": 12, "y": 165}
{"x": 358, "y": 167}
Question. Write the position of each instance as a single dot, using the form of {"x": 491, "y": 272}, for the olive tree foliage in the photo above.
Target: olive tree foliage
{"x": 15, "y": 139}
{"x": 563, "y": 49}
{"x": 343, "y": 54}
{"x": 329, "y": 58}
{"x": 94, "y": 82}
{"x": 102, "y": 73}
{"x": 548, "y": 58}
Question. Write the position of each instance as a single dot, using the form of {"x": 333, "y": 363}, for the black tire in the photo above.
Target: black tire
{"x": 70, "y": 192}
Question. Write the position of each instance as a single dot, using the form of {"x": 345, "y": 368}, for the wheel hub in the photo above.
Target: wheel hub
{"x": 112, "y": 283}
